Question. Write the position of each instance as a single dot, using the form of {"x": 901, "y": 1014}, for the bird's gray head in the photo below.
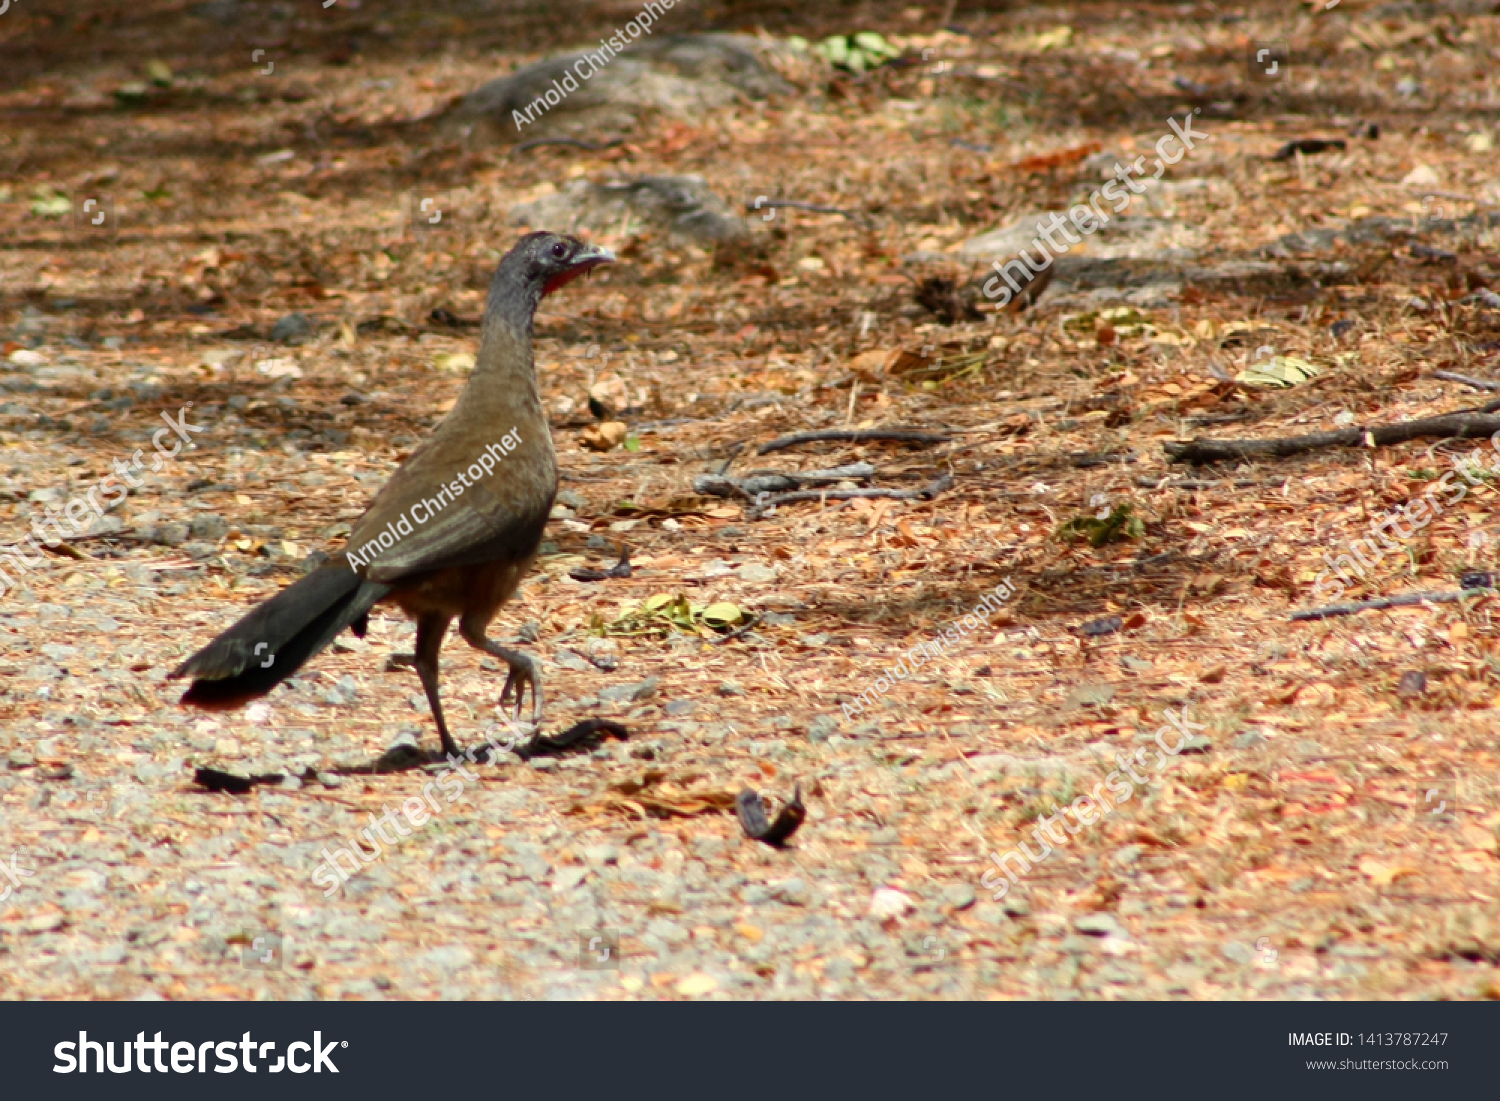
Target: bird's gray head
{"x": 538, "y": 265}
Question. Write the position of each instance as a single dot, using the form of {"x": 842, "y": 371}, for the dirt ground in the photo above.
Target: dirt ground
{"x": 1331, "y": 831}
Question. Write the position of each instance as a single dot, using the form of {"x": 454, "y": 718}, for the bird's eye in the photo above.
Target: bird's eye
{"x": 559, "y": 250}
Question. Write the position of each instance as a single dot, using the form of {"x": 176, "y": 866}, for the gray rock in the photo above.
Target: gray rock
{"x": 292, "y": 328}
{"x": 569, "y": 660}
{"x": 448, "y": 958}
{"x": 171, "y": 534}
{"x": 1237, "y": 952}
{"x": 794, "y": 892}
{"x": 682, "y": 207}
{"x": 597, "y": 856}
{"x": 621, "y": 693}
{"x": 682, "y": 74}
{"x": 208, "y": 526}
{"x": 668, "y": 931}
{"x": 958, "y": 896}
{"x": 1125, "y": 237}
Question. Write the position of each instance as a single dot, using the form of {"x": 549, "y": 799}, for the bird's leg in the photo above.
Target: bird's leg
{"x": 523, "y": 671}
{"x": 430, "y": 632}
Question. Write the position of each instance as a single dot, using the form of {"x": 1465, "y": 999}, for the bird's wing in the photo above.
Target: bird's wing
{"x": 476, "y": 526}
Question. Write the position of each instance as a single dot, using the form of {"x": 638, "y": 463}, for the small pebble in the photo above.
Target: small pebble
{"x": 890, "y": 903}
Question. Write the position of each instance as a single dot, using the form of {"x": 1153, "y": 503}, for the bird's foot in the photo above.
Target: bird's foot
{"x": 523, "y": 673}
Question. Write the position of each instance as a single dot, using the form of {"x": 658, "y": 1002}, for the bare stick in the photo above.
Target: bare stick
{"x": 1457, "y": 196}
{"x": 795, "y": 204}
{"x": 854, "y": 435}
{"x": 592, "y": 146}
{"x": 926, "y": 493}
{"x": 1402, "y": 601}
{"x": 738, "y": 632}
{"x": 770, "y": 481}
{"x": 1461, "y": 426}
{"x": 1477, "y": 383}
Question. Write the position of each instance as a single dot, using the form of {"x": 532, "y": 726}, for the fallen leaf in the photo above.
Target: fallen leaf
{"x": 695, "y": 986}
{"x": 1382, "y": 875}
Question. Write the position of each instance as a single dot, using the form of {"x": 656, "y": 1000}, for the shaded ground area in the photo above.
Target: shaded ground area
{"x": 1330, "y": 831}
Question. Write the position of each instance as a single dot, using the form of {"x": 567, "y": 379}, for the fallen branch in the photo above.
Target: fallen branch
{"x": 1457, "y": 196}
{"x": 1307, "y": 146}
{"x": 776, "y": 482}
{"x": 854, "y": 435}
{"x": 764, "y": 502}
{"x": 591, "y": 146}
{"x": 795, "y": 204}
{"x": 1403, "y": 601}
{"x": 1477, "y": 383}
{"x": 1200, "y": 483}
{"x": 1461, "y": 426}
{"x": 738, "y": 632}
{"x": 619, "y": 569}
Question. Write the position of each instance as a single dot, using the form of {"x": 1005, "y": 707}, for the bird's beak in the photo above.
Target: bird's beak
{"x": 588, "y": 258}
{"x": 595, "y": 254}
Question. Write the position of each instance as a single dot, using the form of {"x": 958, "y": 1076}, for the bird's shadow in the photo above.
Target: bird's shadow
{"x": 582, "y": 736}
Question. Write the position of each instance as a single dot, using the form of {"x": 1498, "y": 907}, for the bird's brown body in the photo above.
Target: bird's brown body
{"x": 453, "y": 532}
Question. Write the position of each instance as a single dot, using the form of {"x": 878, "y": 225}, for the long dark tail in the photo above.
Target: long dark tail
{"x": 278, "y": 636}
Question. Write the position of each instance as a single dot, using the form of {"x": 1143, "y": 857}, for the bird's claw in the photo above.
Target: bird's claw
{"x": 522, "y": 675}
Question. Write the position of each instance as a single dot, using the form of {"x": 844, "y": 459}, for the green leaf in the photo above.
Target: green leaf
{"x": 49, "y": 204}
{"x": 133, "y": 91}
{"x": 1119, "y": 524}
{"x": 722, "y": 614}
{"x": 656, "y": 603}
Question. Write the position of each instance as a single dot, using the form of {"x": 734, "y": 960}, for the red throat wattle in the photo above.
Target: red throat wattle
{"x": 568, "y": 276}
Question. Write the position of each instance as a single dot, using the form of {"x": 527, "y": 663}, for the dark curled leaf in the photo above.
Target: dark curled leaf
{"x": 1413, "y": 682}
{"x": 1477, "y": 579}
{"x": 1094, "y": 628}
{"x": 619, "y": 569}
{"x": 544, "y": 746}
{"x": 442, "y": 316}
{"x": 752, "y": 815}
{"x": 211, "y": 779}
{"x": 1306, "y": 146}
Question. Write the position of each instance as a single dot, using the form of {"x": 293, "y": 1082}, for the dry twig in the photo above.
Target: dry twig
{"x": 1402, "y": 601}
{"x": 1460, "y": 426}
{"x": 854, "y": 435}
